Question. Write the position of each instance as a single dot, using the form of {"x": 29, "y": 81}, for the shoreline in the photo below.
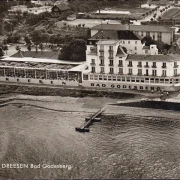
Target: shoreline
{"x": 46, "y": 90}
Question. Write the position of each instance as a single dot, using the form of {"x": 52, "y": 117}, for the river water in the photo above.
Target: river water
{"x": 121, "y": 146}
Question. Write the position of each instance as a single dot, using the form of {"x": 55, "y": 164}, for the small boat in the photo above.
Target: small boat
{"x": 94, "y": 120}
{"x": 82, "y": 129}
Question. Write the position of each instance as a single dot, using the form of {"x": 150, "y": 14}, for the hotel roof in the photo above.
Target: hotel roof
{"x": 160, "y": 57}
{"x": 133, "y": 27}
{"x": 116, "y": 34}
{"x": 108, "y": 42}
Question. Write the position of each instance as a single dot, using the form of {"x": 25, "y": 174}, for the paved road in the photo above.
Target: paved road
{"x": 148, "y": 18}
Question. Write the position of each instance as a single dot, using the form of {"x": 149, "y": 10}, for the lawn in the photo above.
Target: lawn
{"x": 88, "y": 22}
{"x": 134, "y": 13}
{"x": 172, "y": 13}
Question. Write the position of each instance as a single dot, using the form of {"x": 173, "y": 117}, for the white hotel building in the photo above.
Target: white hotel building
{"x": 121, "y": 60}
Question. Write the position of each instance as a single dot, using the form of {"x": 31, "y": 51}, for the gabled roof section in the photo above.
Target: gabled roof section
{"x": 145, "y": 28}
{"x": 115, "y": 35}
{"x": 62, "y": 7}
{"x": 120, "y": 51}
{"x": 105, "y": 35}
{"x": 128, "y": 35}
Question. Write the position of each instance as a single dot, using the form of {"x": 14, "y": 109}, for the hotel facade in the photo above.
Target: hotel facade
{"x": 125, "y": 62}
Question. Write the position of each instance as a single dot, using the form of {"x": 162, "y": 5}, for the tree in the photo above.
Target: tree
{"x": 1, "y": 52}
{"x": 29, "y": 47}
{"x": 41, "y": 47}
{"x": 75, "y": 50}
{"x": 64, "y": 24}
{"x": 149, "y": 5}
{"x": 27, "y": 40}
{"x": 5, "y": 48}
{"x": 18, "y": 48}
{"x": 36, "y": 37}
{"x": 8, "y": 27}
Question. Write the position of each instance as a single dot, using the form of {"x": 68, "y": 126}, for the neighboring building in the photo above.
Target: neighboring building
{"x": 60, "y": 9}
{"x": 71, "y": 17}
{"x": 43, "y": 2}
{"x": 38, "y": 10}
{"x": 175, "y": 48}
{"x": 158, "y": 33}
{"x": 17, "y": 9}
{"x": 150, "y": 50}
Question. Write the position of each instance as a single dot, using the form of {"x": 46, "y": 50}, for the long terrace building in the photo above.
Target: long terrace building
{"x": 40, "y": 71}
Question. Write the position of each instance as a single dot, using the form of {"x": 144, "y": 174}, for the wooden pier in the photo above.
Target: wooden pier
{"x": 89, "y": 121}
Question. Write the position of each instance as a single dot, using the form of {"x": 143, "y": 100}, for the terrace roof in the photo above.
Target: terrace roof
{"x": 80, "y": 67}
{"x": 145, "y": 28}
{"x": 34, "y": 54}
{"x": 40, "y": 60}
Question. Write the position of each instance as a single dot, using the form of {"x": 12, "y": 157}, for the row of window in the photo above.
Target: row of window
{"x": 130, "y": 71}
{"x": 159, "y": 34}
{"x": 132, "y": 79}
{"x": 111, "y": 62}
{"x": 37, "y": 73}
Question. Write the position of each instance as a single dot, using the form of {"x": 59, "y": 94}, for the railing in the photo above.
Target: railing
{"x": 111, "y": 64}
{"x": 129, "y": 65}
{"x": 139, "y": 65}
{"x": 164, "y": 67}
{"x": 92, "y": 64}
{"x": 146, "y": 66}
{"x": 101, "y": 64}
{"x": 120, "y": 65}
{"x": 120, "y": 73}
{"x": 176, "y": 66}
{"x": 154, "y": 66}
{"x": 111, "y": 57}
{"x": 101, "y": 50}
{"x": 175, "y": 75}
{"x": 110, "y": 50}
